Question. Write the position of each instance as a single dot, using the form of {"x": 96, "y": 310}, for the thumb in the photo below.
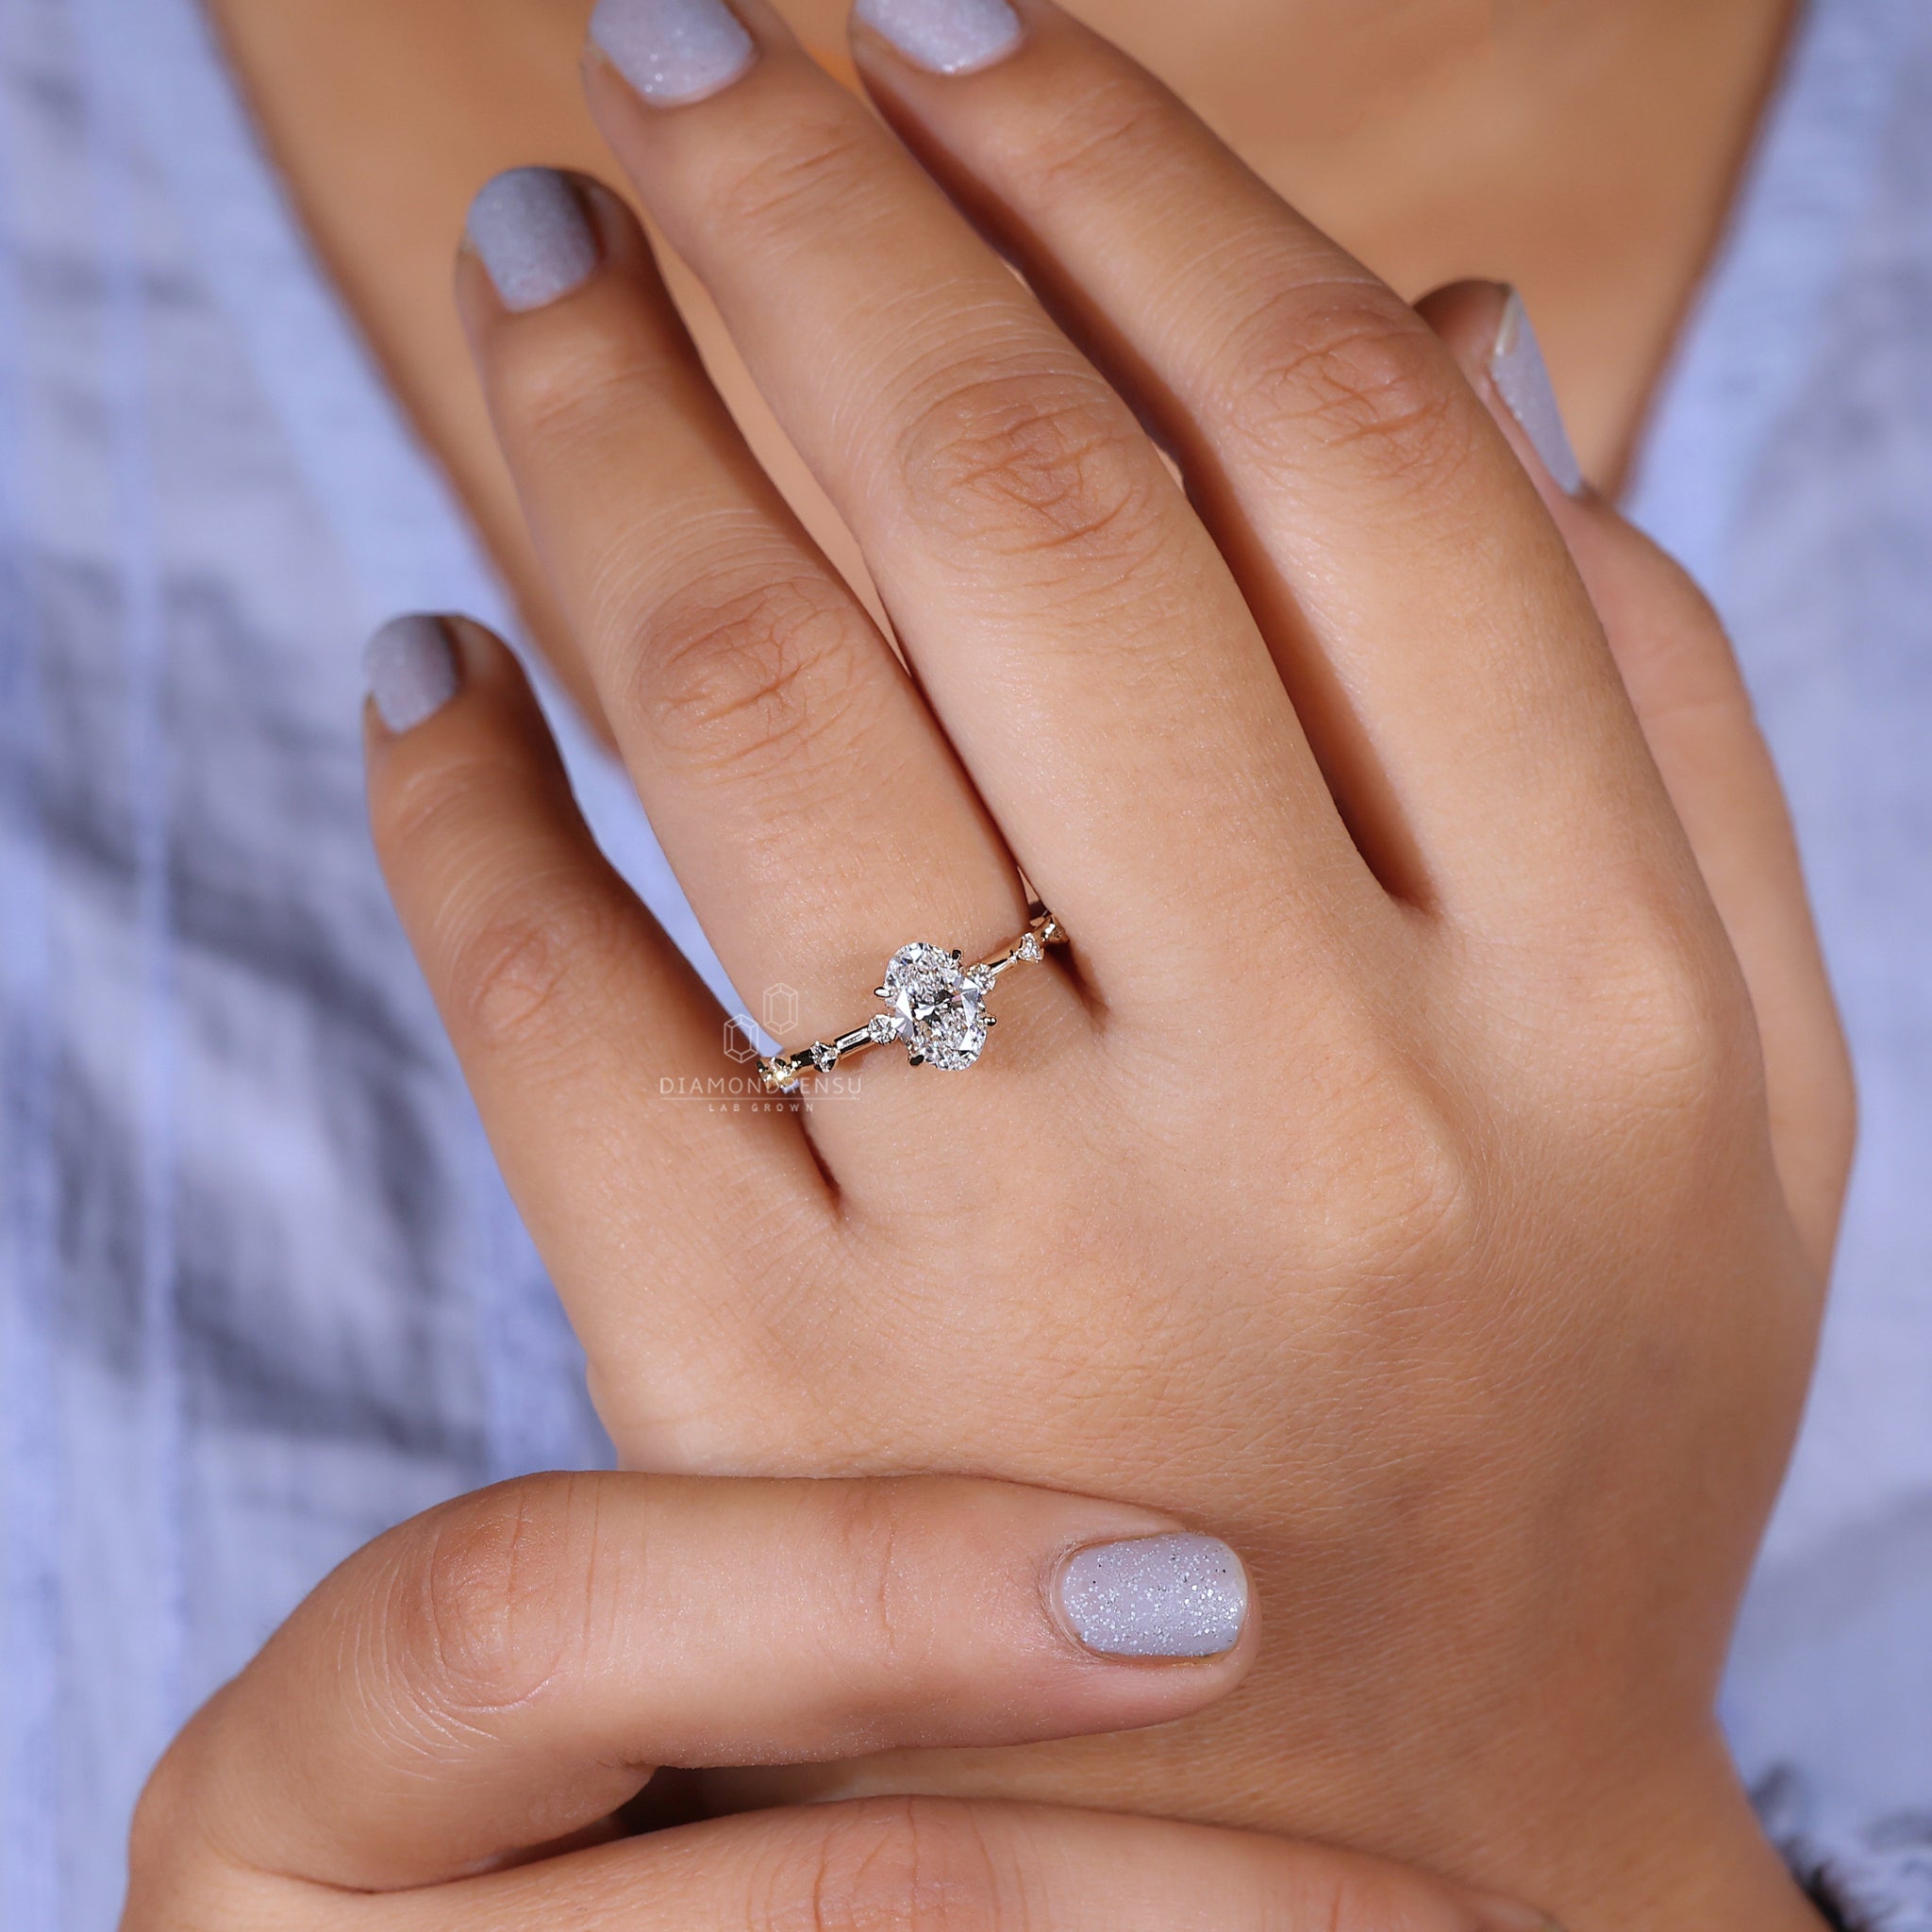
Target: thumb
{"x": 507, "y": 1670}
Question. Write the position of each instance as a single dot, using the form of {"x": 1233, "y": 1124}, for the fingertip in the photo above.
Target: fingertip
{"x": 673, "y": 53}
{"x": 1466, "y": 316}
{"x": 1174, "y": 1597}
{"x": 531, "y": 230}
{"x": 1036, "y": 1614}
{"x": 939, "y": 37}
{"x": 411, "y": 669}
{"x": 445, "y": 698}
{"x": 538, "y": 239}
{"x": 484, "y": 661}
{"x": 424, "y": 668}
{"x": 1486, "y": 327}
{"x": 1151, "y": 1623}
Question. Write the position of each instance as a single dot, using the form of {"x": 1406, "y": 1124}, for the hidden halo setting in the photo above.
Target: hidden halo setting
{"x": 935, "y": 1006}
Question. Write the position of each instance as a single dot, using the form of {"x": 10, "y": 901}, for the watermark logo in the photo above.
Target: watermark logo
{"x": 779, "y": 1009}
{"x": 746, "y": 1041}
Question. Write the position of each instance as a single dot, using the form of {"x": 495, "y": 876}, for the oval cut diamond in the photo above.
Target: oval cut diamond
{"x": 939, "y": 1010}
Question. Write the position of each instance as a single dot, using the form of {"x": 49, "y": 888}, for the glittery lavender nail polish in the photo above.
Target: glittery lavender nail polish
{"x": 530, "y": 231}
{"x": 412, "y": 670}
{"x": 673, "y": 51}
{"x": 1179, "y": 1595}
{"x": 1522, "y": 380}
{"x": 947, "y": 36}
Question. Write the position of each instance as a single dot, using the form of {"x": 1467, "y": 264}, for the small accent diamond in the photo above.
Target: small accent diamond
{"x": 882, "y": 1027}
{"x": 822, "y": 1057}
{"x": 1029, "y": 946}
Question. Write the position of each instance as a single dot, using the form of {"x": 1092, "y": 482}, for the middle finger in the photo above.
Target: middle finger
{"x": 1430, "y": 625}
{"x": 1069, "y": 616}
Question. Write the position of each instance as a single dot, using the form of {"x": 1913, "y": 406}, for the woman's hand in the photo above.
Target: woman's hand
{"x": 439, "y": 1737}
{"x": 1425, "y": 1170}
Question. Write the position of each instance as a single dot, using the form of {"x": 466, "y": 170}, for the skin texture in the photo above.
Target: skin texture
{"x": 1584, "y": 151}
{"x": 1444, "y": 1217}
{"x": 1461, "y": 1114}
{"x": 436, "y": 1736}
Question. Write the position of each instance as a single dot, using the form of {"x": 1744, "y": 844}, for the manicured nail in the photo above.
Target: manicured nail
{"x": 1156, "y": 1597}
{"x": 947, "y": 36}
{"x": 410, "y": 669}
{"x": 1522, "y": 380}
{"x": 673, "y": 50}
{"x": 530, "y": 232}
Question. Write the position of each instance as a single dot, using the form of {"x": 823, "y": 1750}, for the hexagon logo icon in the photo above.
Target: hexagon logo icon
{"x": 780, "y": 1010}
{"x": 738, "y": 1043}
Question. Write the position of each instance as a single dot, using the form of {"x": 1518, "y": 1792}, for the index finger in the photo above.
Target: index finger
{"x": 508, "y": 1669}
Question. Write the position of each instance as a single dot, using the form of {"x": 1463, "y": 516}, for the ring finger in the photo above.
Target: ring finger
{"x": 816, "y": 815}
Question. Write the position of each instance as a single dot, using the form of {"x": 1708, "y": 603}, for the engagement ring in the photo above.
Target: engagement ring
{"x": 937, "y": 1006}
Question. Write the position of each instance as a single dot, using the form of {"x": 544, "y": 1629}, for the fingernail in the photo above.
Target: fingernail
{"x": 410, "y": 669}
{"x": 1522, "y": 380}
{"x": 673, "y": 50}
{"x": 530, "y": 232}
{"x": 1156, "y": 1597}
{"x": 947, "y": 36}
